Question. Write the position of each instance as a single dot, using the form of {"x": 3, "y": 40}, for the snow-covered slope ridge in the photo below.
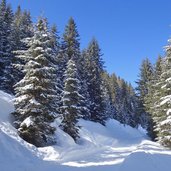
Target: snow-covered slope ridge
{"x": 114, "y": 148}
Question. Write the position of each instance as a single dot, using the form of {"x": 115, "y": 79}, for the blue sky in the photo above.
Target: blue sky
{"x": 127, "y": 30}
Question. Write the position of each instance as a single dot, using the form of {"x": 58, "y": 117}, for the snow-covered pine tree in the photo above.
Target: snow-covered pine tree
{"x": 70, "y": 48}
{"x": 94, "y": 70}
{"x": 70, "y": 41}
{"x": 153, "y": 97}
{"x": 110, "y": 110}
{"x": 6, "y": 17}
{"x": 154, "y": 107}
{"x": 122, "y": 102}
{"x": 56, "y": 61}
{"x": 114, "y": 89}
{"x": 55, "y": 39}
{"x": 72, "y": 101}
{"x": 21, "y": 28}
{"x": 132, "y": 105}
{"x": 162, "y": 115}
{"x": 146, "y": 75}
{"x": 84, "y": 85}
{"x": 36, "y": 92}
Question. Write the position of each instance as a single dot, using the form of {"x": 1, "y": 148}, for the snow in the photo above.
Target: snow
{"x": 28, "y": 87}
{"x": 28, "y": 121}
{"x": 6, "y": 106}
{"x": 167, "y": 121}
{"x": 168, "y": 112}
{"x": 21, "y": 98}
{"x": 165, "y": 99}
{"x": 168, "y": 80}
{"x": 33, "y": 101}
{"x": 112, "y": 148}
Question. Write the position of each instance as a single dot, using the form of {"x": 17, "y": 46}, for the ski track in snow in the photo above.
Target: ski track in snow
{"x": 112, "y": 148}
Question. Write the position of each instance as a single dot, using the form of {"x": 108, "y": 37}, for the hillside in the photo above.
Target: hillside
{"x": 114, "y": 148}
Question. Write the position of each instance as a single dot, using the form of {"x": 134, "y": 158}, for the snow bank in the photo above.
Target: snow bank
{"x": 6, "y": 106}
{"x": 14, "y": 152}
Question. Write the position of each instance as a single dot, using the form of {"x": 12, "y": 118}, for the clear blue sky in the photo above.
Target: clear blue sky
{"x": 128, "y": 30}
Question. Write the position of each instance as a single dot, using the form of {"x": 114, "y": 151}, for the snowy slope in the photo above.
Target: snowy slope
{"x": 114, "y": 148}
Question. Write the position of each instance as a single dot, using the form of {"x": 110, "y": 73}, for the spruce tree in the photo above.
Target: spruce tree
{"x": 155, "y": 108}
{"x": 114, "y": 86}
{"x": 36, "y": 92}
{"x": 22, "y": 28}
{"x": 70, "y": 46}
{"x": 71, "y": 101}
{"x": 132, "y": 106}
{"x": 70, "y": 41}
{"x": 124, "y": 111}
{"x": 107, "y": 96}
{"x": 152, "y": 98}
{"x": 56, "y": 48}
{"x": 123, "y": 100}
{"x": 94, "y": 70}
{"x": 145, "y": 77}
{"x": 84, "y": 85}
{"x": 6, "y": 17}
{"x": 70, "y": 49}
{"x": 162, "y": 115}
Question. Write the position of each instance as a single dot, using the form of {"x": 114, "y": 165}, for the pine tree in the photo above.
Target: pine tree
{"x": 123, "y": 110}
{"x": 146, "y": 75}
{"x": 22, "y": 28}
{"x": 35, "y": 100}
{"x": 123, "y": 100}
{"x": 162, "y": 115}
{"x": 155, "y": 108}
{"x": 94, "y": 70}
{"x": 132, "y": 106}
{"x": 70, "y": 49}
{"x": 152, "y": 97}
{"x": 6, "y": 17}
{"x": 70, "y": 42}
{"x": 55, "y": 39}
{"x": 56, "y": 60}
{"x": 110, "y": 110}
{"x": 71, "y": 101}
{"x": 114, "y": 86}
{"x": 84, "y": 85}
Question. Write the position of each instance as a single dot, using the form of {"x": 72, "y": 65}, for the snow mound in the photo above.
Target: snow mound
{"x": 6, "y": 106}
{"x": 114, "y": 148}
{"x": 14, "y": 152}
{"x": 148, "y": 160}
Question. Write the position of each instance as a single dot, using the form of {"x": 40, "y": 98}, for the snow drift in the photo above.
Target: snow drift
{"x": 114, "y": 148}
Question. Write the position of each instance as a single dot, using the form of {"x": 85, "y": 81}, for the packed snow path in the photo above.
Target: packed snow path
{"x": 111, "y": 148}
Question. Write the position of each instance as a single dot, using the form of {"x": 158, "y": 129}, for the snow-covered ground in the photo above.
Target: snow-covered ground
{"x": 111, "y": 148}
